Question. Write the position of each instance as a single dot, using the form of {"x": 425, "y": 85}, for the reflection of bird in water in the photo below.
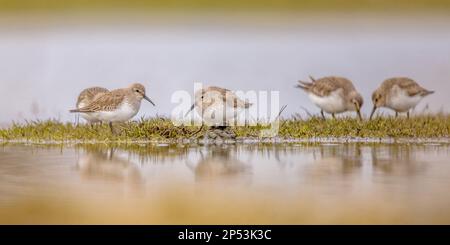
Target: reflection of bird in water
{"x": 219, "y": 164}
{"x": 396, "y": 159}
{"x": 103, "y": 164}
{"x": 340, "y": 159}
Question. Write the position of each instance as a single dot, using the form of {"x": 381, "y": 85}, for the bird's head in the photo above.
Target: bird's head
{"x": 356, "y": 102}
{"x": 139, "y": 91}
{"x": 378, "y": 100}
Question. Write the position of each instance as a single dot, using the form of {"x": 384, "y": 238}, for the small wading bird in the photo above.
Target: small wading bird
{"x": 118, "y": 105}
{"x": 86, "y": 97}
{"x": 218, "y": 107}
{"x": 333, "y": 95}
{"x": 399, "y": 94}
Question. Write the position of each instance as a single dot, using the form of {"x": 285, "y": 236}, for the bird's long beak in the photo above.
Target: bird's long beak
{"x": 373, "y": 112}
{"x": 149, "y": 100}
{"x": 358, "y": 111}
{"x": 192, "y": 108}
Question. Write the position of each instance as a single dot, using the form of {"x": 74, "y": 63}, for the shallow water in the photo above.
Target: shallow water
{"x": 181, "y": 184}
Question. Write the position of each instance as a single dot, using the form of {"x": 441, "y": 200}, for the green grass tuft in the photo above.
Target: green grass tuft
{"x": 161, "y": 129}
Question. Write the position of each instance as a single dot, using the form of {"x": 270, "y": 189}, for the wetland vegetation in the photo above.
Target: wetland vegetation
{"x": 162, "y": 129}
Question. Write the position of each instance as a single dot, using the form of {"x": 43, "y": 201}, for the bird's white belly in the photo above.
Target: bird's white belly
{"x": 330, "y": 104}
{"x": 123, "y": 113}
{"x": 402, "y": 102}
{"x": 88, "y": 117}
{"x": 219, "y": 114}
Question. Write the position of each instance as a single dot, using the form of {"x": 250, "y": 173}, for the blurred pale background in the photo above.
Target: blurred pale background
{"x": 51, "y": 50}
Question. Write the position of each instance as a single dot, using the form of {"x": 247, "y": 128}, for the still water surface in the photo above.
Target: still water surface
{"x": 180, "y": 184}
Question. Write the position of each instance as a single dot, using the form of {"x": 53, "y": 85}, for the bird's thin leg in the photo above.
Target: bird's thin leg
{"x": 407, "y": 114}
{"x": 334, "y": 116}
{"x": 77, "y": 119}
{"x": 111, "y": 127}
{"x": 323, "y": 115}
{"x": 396, "y": 114}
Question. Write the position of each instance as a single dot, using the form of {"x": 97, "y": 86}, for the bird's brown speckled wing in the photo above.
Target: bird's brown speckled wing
{"x": 232, "y": 99}
{"x": 221, "y": 91}
{"x": 411, "y": 87}
{"x": 324, "y": 86}
{"x": 87, "y": 95}
{"x": 106, "y": 102}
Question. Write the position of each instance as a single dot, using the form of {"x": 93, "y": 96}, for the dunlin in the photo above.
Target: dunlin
{"x": 399, "y": 94}
{"x": 333, "y": 95}
{"x": 118, "y": 105}
{"x": 218, "y": 107}
{"x": 86, "y": 97}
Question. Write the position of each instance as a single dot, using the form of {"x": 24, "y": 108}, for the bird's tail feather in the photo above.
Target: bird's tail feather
{"x": 303, "y": 85}
{"x": 82, "y": 110}
{"x": 428, "y": 92}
